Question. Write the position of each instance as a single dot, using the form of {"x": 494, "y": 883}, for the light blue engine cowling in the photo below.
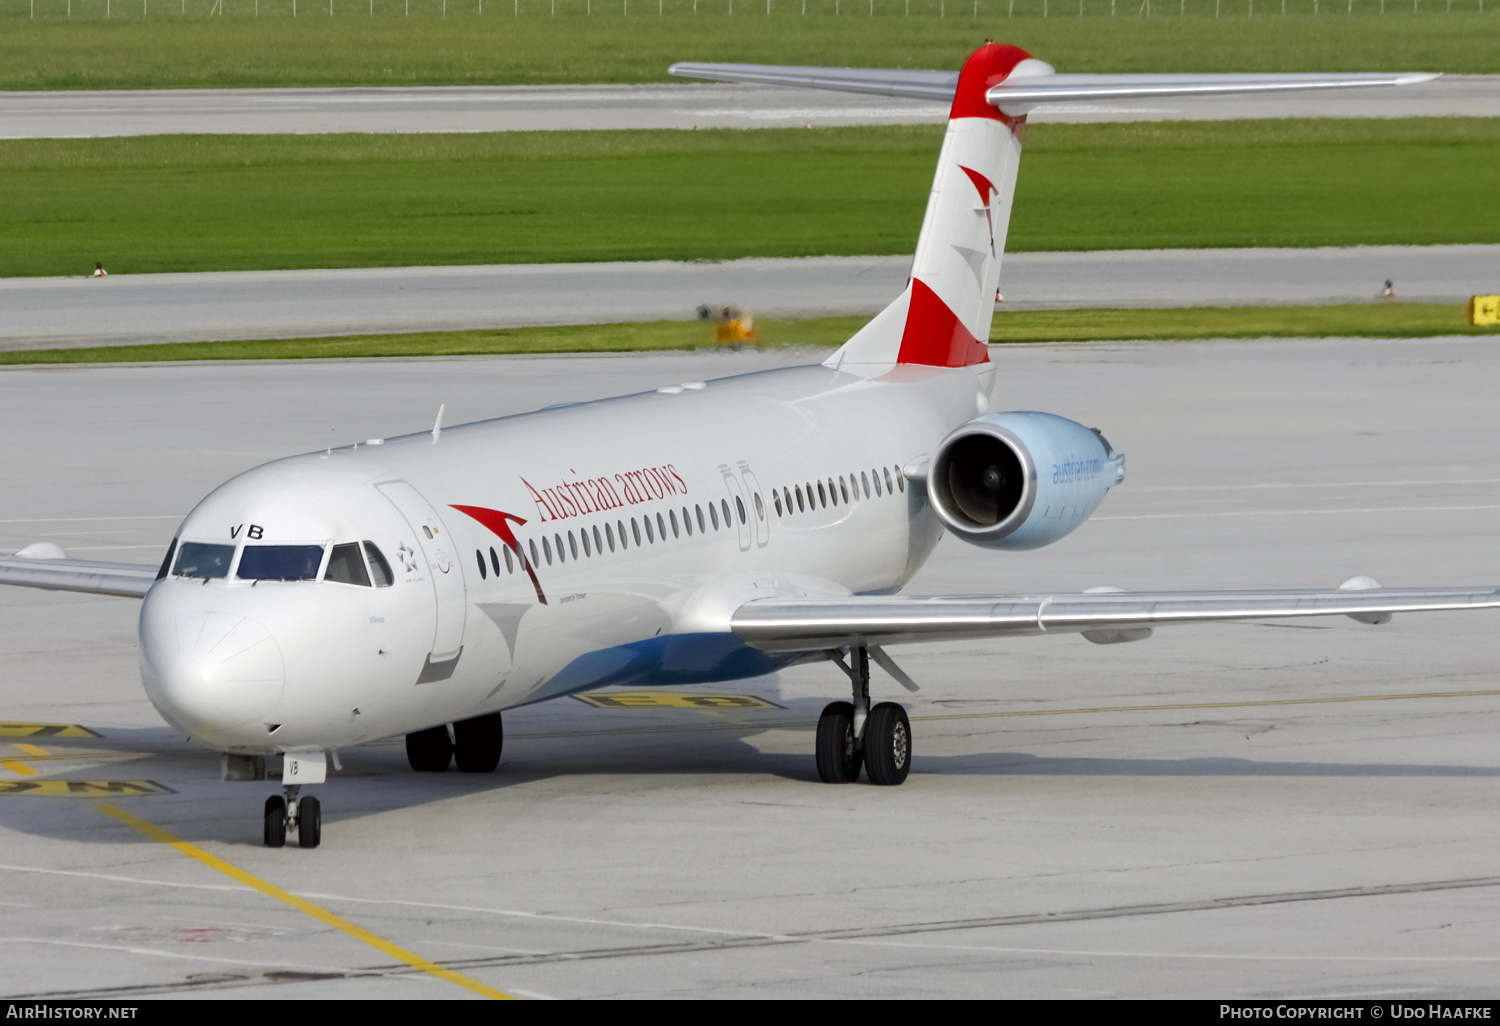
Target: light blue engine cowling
{"x": 1021, "y": 480}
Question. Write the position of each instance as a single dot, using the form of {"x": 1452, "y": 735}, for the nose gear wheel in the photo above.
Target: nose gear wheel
{"x": 285, "y": 812}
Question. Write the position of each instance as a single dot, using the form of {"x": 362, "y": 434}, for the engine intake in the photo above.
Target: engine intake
{"x": 1020, "y": 480}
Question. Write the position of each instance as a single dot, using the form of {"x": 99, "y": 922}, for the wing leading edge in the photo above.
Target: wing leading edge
{"x": 791, "y": 625}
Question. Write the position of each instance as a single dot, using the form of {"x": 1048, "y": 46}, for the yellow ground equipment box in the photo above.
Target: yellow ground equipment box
{"x": 1484, "y": 310}
{"x": 732, "y": 326}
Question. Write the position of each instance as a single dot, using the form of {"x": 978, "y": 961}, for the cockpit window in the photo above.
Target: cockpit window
{"x": 166, "y": 564}
{"x": 347, "y": 566}
{"x": 203, "y": 560}
{"x": 280, "y": 562}
{"x": 380, "y": 569}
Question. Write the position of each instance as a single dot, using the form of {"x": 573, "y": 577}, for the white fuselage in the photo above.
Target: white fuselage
{"x": 472, "y": 624}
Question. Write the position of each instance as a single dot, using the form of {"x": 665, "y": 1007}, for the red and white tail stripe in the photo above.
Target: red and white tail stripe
{"x": 943, "y": 317}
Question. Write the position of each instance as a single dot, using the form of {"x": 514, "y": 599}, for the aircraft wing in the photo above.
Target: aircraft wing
{"x": 128, "y": 580}
{"x": 792, "y": 625}
{"x": 1041, "y": 85}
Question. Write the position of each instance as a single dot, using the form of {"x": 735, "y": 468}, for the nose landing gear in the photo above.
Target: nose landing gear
{"x": 287, "y": 811}
{"x": 851, "y": 735}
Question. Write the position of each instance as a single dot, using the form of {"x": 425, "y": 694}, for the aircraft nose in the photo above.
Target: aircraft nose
{"x": 209, "y": 671}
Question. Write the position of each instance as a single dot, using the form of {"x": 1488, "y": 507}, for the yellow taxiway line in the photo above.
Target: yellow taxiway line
{"x": 359, "y": 933}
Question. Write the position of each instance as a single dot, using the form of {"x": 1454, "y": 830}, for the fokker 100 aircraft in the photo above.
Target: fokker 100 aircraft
{"x": 702, "y": 532}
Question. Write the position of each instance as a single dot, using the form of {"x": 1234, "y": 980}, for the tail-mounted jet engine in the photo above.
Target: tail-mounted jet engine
{"x": 1020, "y": 480}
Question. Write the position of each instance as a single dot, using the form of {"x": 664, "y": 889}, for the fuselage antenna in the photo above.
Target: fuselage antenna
{"x": 437, "y": 425}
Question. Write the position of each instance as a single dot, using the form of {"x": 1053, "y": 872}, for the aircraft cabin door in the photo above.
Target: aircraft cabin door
{"x": 759, "y": 515}
{"x": 443, "y": 568}
{"x": 739, "y": 506}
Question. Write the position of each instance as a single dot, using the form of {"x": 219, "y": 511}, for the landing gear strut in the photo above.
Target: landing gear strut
{"x": 287, "y": 811}
{"x": 851, "y": 735}
{"x": 475, "y": 744}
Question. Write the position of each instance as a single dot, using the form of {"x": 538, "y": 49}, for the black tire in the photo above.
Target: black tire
{"x": 429, "y": 751}
{"x": 887, "y": 744}
{"x": 478, "y": 742}
{"x": 309, "y": 822}
{"x": 275, "y": 825}
{"x": 839, "y": 757}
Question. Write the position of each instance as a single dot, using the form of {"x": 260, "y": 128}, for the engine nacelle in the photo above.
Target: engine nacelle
{"x": 1020, "y": 480}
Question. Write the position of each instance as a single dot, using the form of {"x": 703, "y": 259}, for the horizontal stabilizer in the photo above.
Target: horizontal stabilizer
{"x": 1038, "y": 85}
{"x": 1072, "y": 88}
{"x": 798, "y": 625}
{"x": 937, "y": 86}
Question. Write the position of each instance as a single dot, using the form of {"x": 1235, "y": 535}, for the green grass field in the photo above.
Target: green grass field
{"x": 207, "y": 203}
{"x": 1373, "y": 320}
{"x": 174, "y": 43}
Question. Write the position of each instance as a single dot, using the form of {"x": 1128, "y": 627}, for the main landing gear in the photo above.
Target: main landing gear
{"x": 286, "y": 811}
{"x": 852, "y": 736}
{"x": 474, "y": 744}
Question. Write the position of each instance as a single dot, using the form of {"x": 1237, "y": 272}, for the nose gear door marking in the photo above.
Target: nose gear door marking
{"x": 445, "y": 573}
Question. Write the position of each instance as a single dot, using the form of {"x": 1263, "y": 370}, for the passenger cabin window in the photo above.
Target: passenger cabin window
{"x": 347, "y": 566}
{"x": 380, "y": 570}
{"x": 888, "y": 486}
{"x": 725, "y": 504}
{"x": 866, "y": 482}
{"x": 687, "y": 521}
{"x": 478, "y": 555}
{"x": 739, "y": 505}
{"x": 713, "y": 515}
{"x": 280, "y": 563}
{"x": 509, "y": 561}
{"x": 203, "y": 560}
{"x": 701, "y": 528}
{"x": 495, "y": 561}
